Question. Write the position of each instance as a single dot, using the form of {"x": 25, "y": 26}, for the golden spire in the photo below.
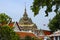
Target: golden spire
{"x": 25, "y": 13}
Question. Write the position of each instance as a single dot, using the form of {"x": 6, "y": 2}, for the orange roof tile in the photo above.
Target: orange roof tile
{"x": 23, "y": 34}
{"x": 47, "y": 32}
{"x": 11, "y": 24}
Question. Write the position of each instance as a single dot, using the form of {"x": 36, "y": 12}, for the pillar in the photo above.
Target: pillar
{"x": 58, "y": 37}
{"x": 54, "y": 38}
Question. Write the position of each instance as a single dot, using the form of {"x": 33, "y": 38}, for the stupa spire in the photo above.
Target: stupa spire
{"x": 25, "y": 13}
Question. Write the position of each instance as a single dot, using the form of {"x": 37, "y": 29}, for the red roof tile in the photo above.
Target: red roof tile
{"x": 11, "y": 24}
{"x": 47, "y": 32}
{"x": 23, "y": 34}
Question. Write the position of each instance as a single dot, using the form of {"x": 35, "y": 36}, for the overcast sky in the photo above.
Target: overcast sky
{"x": 15, "y": 9}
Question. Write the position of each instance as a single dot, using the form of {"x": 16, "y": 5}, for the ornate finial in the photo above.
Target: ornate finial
{"x": 25, "y": 13}
{"x": 25, "y": 7}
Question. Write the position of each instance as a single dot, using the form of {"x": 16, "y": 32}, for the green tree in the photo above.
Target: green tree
{"x": 4, "y": 19}
{"x": 38, "y": 4}
{"x": 28, "y": 38}
{"x": 54, "y": 24}
{"x": 6, "y": 33}
{"x": 31, "y": 38}
{"x": 35, "y": 38}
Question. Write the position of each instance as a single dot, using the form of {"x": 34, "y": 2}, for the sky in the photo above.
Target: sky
{"x": 15, "y": 9}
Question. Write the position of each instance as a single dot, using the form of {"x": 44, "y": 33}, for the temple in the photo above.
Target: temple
{"x": 26, "y": 24}
{"x": 25, "y": 27}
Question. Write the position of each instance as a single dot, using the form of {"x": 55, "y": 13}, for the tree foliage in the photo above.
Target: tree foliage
{"x": 54, "y": 24}
{"x": 31, "y": 38}
{"x": 37, "y": 4}
{"x": 28, "y": 38}
{"x": 4, "y": 19}
{"x": 6, "y": 33}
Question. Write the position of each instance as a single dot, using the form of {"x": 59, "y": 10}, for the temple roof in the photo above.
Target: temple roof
{"x": 25, "y": 19}
{"x": 25, "y": 13}
{"x": 24, "y": 34}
